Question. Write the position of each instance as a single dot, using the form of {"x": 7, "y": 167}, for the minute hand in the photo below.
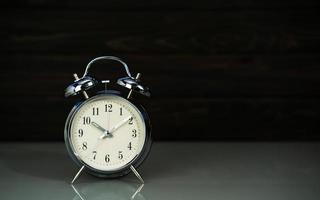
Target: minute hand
{"x": 119, "y": 124}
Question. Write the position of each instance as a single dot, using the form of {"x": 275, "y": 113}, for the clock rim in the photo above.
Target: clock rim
{"x": 136, "y": 161}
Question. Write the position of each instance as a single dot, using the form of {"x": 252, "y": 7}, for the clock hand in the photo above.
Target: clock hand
{"x": 117, "y": 126}
{"x": 106, "y": 132}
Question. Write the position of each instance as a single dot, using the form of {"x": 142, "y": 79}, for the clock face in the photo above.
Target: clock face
{"x": 107, "y": 133}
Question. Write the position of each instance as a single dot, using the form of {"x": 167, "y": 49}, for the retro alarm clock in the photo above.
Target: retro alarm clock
{"x": 108, "y": 134}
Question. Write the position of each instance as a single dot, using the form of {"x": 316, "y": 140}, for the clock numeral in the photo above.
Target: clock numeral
{"x": 107, "y": 158}
{"x": 84, "y": 146}
{"x": 86, "y": 120}
{"x": 129, "y": 146}
{"x": 94, "y": 154}
{"x": 131, "y": 120}
{"x": 95, "y": 111}
{"x": 134, "y": 133}
{"x": 121, "y": 111}
{"x": 80, "y": 132}
{"x": 120, "y": 156}
{"x": 108, "y": 107}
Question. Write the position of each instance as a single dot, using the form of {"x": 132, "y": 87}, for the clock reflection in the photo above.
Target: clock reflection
{"x": 113, "y": 189}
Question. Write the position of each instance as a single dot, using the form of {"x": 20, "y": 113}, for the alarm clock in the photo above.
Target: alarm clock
{"x": 108, "y": 134}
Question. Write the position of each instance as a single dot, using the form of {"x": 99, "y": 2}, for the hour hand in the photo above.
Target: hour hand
{"x": 106, "y": 132}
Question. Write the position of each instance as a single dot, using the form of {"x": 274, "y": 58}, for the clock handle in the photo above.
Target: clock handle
{"x": 107, "y": 58}
{"x": 129, "y": 82}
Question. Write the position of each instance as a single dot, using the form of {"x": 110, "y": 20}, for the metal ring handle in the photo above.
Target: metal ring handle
{"x": 107, "y": 58}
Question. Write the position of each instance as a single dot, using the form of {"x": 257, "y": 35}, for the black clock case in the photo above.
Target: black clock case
{"x": 136, "y": 162}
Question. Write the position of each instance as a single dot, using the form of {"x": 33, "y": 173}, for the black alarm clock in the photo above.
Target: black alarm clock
{"x": 108, "y": 134}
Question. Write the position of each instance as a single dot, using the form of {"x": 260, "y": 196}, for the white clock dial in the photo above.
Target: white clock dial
{"x": 107, "y": 133}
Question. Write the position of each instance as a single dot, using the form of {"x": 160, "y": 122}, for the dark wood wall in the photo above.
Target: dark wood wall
{"x": 238, "y": 70}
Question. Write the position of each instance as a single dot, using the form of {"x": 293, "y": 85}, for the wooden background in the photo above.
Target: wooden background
{"x": 219, "y": 70}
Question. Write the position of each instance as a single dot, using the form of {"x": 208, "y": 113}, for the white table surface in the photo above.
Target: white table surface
{"x": 174, "y": 170}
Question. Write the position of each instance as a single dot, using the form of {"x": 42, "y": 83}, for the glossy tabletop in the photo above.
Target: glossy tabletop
{"x": 174, "y": 170}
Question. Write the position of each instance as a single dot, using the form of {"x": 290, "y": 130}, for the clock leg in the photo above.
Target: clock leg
{"x": 137, "y": 174}
{"x": 78, "y": 174}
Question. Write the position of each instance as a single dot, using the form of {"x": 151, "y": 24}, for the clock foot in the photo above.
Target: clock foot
{"x": 77, "y": 175}
{"x": 137, "y": 174}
